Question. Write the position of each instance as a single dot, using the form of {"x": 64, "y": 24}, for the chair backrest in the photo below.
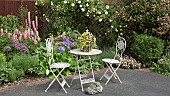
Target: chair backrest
{"x": 49, "y": 48}
{"x": 120, "y": 47}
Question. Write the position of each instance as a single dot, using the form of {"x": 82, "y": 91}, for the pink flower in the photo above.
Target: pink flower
{"x": 1, "y": 32}
{"x": 32, "y": 39}
{"x": 33, "y": 24}
{"x": 39, "y": 38}
{"x": 36, "y": 22}
{"x": 20, "y": 37}
{"x": 14, "y": 36}
{"x": 16, "y": 32}
{"x": 9, "y": 35}
{"x": 32, "y": 33}
{"x": 28, "y": 34}
{"x": 58, "y": 37}
{"x": 37, "y": 34}
{"x": 35, "y": 42}
{"x": 25, "y": 35}
{"x": 29, "y": 20}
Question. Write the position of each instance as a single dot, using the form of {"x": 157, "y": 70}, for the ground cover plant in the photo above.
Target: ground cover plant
{"x": 162, "y": 66}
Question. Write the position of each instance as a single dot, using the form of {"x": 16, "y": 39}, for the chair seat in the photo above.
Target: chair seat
{"x": 60, "y": 65}
{"x": 109, "y": 60}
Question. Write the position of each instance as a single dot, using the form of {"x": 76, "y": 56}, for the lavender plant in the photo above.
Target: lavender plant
{"x": 20, "y": 46}
{"x": 7, "y": 48}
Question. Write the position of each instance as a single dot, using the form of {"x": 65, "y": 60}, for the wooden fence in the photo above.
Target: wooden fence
{"x": 12, "y": 6}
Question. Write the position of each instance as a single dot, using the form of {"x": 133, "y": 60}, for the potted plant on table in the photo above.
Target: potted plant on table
{"x": 87, "y": 41}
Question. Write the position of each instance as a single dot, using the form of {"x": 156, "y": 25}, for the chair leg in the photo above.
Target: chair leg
{"x": 62, "y": 84}
{"x": 109, "y": 79}
{"x": 73, "y": 76}
{"x": 50, "y": 85}
{"x": 113, "y": 73}
{"x": 104, "y": 74}
{"x": 65, "y": 80}
{"x": 118, "y": 77}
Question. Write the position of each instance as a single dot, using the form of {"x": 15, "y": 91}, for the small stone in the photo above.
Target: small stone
{"x": 94, "y": 88}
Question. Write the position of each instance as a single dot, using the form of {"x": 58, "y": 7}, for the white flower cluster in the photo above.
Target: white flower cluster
{"x": 84, "y": 7}
{"x": 65, "y": 2}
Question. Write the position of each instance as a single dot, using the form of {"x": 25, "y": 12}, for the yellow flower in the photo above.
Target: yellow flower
{"x": 83, "y": 43}
{"x": 83, "y": 34}
{"x": 86, "y": 38}
{"x": 94, "y": 39}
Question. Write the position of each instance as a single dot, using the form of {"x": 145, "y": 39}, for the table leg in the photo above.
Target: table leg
{"x": 83, "y": 81}
{"x": 91, "y": 68}
{"x": 78, "y": 62}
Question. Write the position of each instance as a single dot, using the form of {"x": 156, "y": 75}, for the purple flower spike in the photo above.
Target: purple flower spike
{"x": 23, "y": 48}
{"x": 61, "y": 48}
{"x": 7, "y": 48}
{"x": 20, "y": 46}
{"x": 64, "y": 37}
{"x": 15, "y": 41}
{"x": 68, "y": 43}
{"x": 73, "y": 44}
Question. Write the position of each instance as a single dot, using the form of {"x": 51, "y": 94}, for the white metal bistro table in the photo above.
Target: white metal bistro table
{"x": 79, "y": 54}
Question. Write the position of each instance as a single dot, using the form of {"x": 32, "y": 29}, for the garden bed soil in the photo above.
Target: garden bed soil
{"x": 23, "y": 82}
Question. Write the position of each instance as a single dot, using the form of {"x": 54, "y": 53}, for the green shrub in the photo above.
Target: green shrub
{"x": 144, "y": 17}
{"x": 4, "y": 41}
{"x": 163, "y": 66}
{"x": 9, "y": 22}
{"x": 4, "y": 71}
{"x": 167, "y": 49}
{"x": 15, "y": 74}
{"x": 24, "y": 62}
{"x": 7, "y": 72}
{"x": 147, "y": 48}
{"x": 2, "y": 58}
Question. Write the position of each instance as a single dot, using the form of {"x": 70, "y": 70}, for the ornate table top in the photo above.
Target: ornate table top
{"x": 79, "y": 52}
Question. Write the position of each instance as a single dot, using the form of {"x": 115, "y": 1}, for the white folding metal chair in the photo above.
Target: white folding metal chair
{"x": 120, "y": 48}
{"x": 58, "y": 65}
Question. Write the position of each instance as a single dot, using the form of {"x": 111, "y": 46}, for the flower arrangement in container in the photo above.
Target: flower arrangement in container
{"x": 87, "y": 41}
